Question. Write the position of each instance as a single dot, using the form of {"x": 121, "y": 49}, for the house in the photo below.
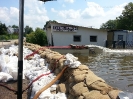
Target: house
{"x": 117, "y": 35}
{"x": 11, "y": 30}
{"x": 120, "y": 37}
{"x": 60, "y": 34}
{"x": 130, "y": 36}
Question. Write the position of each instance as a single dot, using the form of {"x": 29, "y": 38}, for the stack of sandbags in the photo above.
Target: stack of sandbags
{"x": 80, "y": 82}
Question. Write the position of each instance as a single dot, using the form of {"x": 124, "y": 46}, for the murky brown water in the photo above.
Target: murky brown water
{"x": 115, "y": 69}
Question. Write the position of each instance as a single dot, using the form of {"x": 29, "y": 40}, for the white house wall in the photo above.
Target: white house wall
{"x": 130, "y": 36}
{"x": 48, "y": 33}
{"x": 120, "y": 33}
{"x": 66, "y": 38}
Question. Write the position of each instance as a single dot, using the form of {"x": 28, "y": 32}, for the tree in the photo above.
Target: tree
{"x": 28, "y": 30}
{"x": 125, "y": 21}
{"x": 3, "y": 29}
{"x": 47, "y": 22}
{"x": 14, "y": 26}
{"x": 37, "y": 37}
{"x": 111, "y": 24}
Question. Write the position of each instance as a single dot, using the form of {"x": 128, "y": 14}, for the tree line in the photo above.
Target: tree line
{"x": 36, "y": 37}
{"x": 124, "y": 21}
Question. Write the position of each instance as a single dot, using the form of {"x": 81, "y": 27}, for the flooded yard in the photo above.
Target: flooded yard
{"x": 115, "y": 68}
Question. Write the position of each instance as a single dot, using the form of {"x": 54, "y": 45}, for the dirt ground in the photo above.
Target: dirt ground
{"x": 7, "y": 94}
{"x": 5, "y": 43}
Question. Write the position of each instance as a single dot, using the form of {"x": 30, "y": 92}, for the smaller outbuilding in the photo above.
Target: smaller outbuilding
{"x": 120, "y": 37}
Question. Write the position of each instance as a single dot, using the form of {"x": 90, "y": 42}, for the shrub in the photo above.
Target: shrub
{"x": 37, "y": 37}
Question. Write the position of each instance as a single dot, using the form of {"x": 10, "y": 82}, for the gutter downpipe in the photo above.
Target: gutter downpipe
{"x": 20, "y": 49}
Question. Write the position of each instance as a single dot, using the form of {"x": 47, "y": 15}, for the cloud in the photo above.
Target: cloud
{"x": 63, "y": 6}
{"x": 92, "y": 10}
{"x": 93, "y": 15}
{"x": 70, "y": 1}
{"x": 69, "y": 14}
{"x": 53, "y": 10}
{"x": 115, "y": 11}
{"x": 9, "y": 15}
{"x": 35, "y": 14}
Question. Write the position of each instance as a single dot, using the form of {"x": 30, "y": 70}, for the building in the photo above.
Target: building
{"x": 130, "y": 36}
{"x": 120, "y": 38}
{"x": 60, "y": 34}
{"x": 120, "y": 35}
{"x": 11, "y": 30}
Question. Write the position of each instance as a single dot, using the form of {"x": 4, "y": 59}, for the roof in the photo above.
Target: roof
{"x": 75, "y": 25}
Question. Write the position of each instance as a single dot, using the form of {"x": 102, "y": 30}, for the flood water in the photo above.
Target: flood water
{"x": 115, "y": 68}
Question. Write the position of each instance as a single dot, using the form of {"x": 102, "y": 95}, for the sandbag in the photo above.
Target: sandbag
{"x": 101, "y": 86}
{"x": 4, "y": 77}
{"x": 71, "y": 96}
{"x": 61, "y": 63}
{"x": 79, "y": 78}
{"x": 83, "y": 67}
{"x": 80, "y": 97}
{"x": 61, "y": 88}
{"x": 43, "y": 55}
{"x": 79, "y": 72}
{"x": 114, "y": 94}
{"x": 91, "y": 78}
{"x": 79, "y": 88}
{"x": 95, "y": 95}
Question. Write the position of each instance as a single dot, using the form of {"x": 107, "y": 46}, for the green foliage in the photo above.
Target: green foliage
{"x": 37, "y": 37}
{"x": 111, "y": 24}
{"x": 124, "y": 21}
{"x": 14, "y": 26}
{"x": 47, "y": 22}
{"x": 8, "y": 37}
{"x": 28, "y": 30}
{"x": 3, "y": 29}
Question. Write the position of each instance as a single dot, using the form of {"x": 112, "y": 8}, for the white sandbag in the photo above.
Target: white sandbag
{"x": 71, "y": 61}
{"x": 3, "y": 64}
{"x": 4, "y": 77}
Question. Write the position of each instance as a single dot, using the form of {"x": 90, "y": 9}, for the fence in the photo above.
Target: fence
{"x": 119, "y": 44}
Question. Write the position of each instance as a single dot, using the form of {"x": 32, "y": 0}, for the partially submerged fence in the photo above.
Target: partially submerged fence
{"x": 119, "y": 44}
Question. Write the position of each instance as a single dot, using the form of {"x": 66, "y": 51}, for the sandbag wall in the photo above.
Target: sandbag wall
{"x": 76, "y": 83}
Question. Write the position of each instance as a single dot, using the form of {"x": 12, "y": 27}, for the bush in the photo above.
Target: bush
{"x": 37, "y": 37}
{"x": 8, "y": 37}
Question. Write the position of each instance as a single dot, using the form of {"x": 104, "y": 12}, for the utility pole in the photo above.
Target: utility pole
{"x": 20, "y": 50}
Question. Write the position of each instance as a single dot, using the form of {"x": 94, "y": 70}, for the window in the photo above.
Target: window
{"x": 93, "y": 38}
{"x": 77, "y": 38}
{"x": 120, "y": 37}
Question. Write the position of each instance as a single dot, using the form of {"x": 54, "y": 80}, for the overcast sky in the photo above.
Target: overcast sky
{"x": 76, "y": 12}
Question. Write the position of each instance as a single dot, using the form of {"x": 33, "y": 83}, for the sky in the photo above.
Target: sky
{"x": 87, "y": 13}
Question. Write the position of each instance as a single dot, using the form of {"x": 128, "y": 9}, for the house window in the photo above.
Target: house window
{"x": 120, "y": 37}
{"x": 77, "y": 38}
{"x": 93, "y": 38}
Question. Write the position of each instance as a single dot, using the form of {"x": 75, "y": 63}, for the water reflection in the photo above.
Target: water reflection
{"x": 115, "y": 68}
